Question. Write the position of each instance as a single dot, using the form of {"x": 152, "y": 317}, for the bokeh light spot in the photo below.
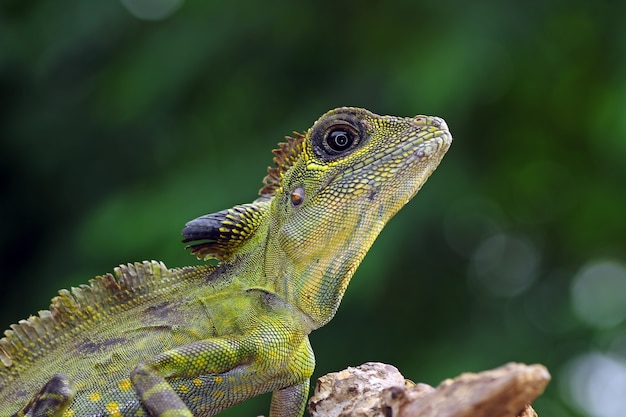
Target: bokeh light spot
{"x": 504, "y": 265}
{"x": 152, "y": 9}
{"x": 596, "y": 383}
{"x": 598, "y": 293}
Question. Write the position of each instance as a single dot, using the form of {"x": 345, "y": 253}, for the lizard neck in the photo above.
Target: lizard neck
{"x": 311, "y": 268}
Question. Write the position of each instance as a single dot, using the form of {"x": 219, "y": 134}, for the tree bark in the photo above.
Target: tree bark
{"x": 376, "y": 389}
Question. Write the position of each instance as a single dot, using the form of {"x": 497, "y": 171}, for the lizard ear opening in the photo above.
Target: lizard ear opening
{"x": 220, "y": 234}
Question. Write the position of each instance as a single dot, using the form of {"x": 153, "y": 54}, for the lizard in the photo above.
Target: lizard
{"x": 147, "y": 340}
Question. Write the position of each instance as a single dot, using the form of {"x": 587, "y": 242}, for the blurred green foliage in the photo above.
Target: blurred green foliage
{"x": 120, "y": 121}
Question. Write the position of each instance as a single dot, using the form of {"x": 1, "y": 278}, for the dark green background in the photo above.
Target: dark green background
{"x": 114, "y": 131}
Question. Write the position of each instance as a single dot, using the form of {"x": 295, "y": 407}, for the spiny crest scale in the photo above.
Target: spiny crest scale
{"x": 71, "y": 311}
{"x": 284, "y": 158}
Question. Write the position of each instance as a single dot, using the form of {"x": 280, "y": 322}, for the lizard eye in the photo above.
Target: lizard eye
{"x": 339, "y": 139}
{"x": 337, "y": 136}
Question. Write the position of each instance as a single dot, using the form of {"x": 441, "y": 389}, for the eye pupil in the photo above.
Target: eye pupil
{"x": 339, "y": 140}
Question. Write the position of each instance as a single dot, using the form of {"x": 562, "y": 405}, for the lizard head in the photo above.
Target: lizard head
{"x": 336, "y": 186}
{"x": 332, "y": 190}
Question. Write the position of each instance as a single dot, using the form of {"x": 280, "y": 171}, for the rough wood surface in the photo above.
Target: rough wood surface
{"x": 376, "y": 389}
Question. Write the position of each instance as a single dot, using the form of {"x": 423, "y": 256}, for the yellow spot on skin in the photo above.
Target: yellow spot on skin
{"x": 198, "y": 382}
{"x": 218, "y": 379}
{"x": 94, "y": 396}
{"x": 68, "y": 413}
{"x": 125, "y": 384}
{"x": 183, "y": 389}
{"x": 114, "y": 409}
{"x": 199, "y": 363}
{"x": 218, "y": 394}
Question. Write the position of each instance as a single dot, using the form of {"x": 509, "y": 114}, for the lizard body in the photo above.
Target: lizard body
{"x": 194, "y": 341}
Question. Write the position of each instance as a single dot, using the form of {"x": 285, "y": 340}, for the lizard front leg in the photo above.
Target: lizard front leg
{"x": 233, "y": 370}
{"x": 51, "y": 400}
{"x": 290, "y": 401}
{"x": 200, "y": 358}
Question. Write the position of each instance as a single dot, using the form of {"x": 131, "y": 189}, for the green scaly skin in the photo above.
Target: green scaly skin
{"x": 149, "y": 340}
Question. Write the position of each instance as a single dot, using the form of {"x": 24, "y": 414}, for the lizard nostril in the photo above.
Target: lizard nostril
{"x": 431, "y": 121}
{"x": 440, "y": 123}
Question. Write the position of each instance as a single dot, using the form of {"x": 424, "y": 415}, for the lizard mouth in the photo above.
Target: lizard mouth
{"x": 434, "y": 145}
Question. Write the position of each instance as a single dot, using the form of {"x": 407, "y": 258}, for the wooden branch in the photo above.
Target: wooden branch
{"x": 376, "y": 389}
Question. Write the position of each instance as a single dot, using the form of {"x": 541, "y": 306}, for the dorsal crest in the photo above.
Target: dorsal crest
{"x": 87, "y": 306}
{"x": 284, "y": 158}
